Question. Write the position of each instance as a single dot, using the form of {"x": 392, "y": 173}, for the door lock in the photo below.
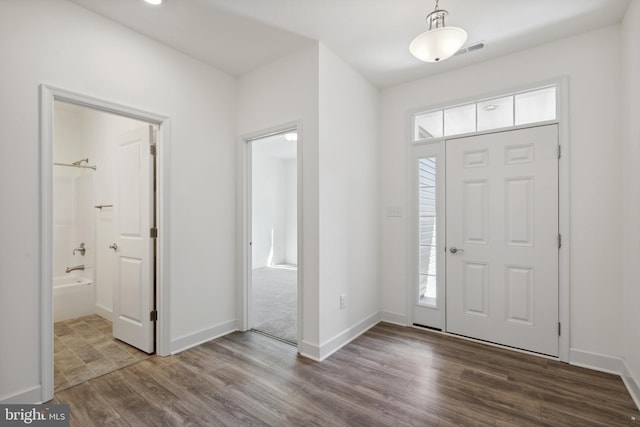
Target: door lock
{"x": 455, "y": 250}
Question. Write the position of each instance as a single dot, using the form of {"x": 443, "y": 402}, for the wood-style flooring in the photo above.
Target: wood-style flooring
{"x": 389, "y": 376}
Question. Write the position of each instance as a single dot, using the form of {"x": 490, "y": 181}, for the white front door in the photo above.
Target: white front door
{"x": 502, "y": 238}
{"x": 133, "y": 297}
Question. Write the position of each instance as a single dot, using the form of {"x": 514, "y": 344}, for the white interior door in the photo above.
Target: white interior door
{"x": 502, "y": 238}
{"x": 134, "y": 276}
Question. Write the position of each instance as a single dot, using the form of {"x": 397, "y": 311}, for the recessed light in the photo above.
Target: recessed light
{"x": 291, "y": 137}
{"x": 490, "y": 107}
{"x": 154, "y": 2}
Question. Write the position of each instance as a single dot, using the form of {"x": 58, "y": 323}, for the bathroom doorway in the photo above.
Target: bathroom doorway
{"x": 273, "y": 286}
{"x": 101, "y": 247}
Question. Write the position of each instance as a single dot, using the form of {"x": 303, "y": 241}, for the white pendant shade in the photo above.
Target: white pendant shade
{"x": 438, "y": 44}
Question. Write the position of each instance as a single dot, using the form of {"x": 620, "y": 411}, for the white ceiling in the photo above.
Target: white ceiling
{"x": 237, "y": 36}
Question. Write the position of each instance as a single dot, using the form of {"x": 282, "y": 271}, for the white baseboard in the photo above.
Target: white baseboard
{"x": 633, "y": 385}
{"x": 309, "y": 351}
{"x": 319, "y": 353}
{"x": 187, "y": 341}
{"x": 343, "y": 338}
{"x": 395, "y": 318}
{"x": 609, "y": 364}
{"x": 595, "y": 361}
{"x": 32, "y": 395}
{"x": 104, "y": 312}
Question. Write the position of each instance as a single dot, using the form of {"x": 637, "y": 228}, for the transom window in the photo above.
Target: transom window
{"x": 533, "y": 106}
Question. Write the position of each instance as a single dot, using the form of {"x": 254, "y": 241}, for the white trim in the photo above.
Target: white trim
{"x": 243, "y": 208}
{"x": 28, "y": 395}
{"x": 394, "y": 318}
{"x": 49, "y": 94}
{"x": 610, "y": 365}
{"x": 430, "y": 316}
{"x": 564, "y": 218}
{"x": 310, "y": 351}
{"x": 188, "y": 341}
{"x": 46, "y": 244}
{"x": 104, "y": 312}
{"x": 481, "y": 98}
{"x": 423, "y": 142}
{"x": 632, "y": 384}
{"x": 596, "y": 361}
{"x": 564, "y": 190}
{"x": 345, "y": 337}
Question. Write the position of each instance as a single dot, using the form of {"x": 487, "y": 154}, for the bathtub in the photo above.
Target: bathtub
{"x": 73, "y": 296}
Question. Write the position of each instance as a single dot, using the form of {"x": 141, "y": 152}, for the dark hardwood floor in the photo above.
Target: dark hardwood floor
{"x": 390, "y": 376}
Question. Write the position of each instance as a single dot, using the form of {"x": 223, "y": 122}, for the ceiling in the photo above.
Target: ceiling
{"x": 237, "y": 36}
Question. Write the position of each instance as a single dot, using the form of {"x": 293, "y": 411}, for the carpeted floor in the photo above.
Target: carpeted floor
{"x": 275, "y": 302}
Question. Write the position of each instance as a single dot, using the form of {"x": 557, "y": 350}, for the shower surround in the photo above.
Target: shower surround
{"x": 73, "y": 225}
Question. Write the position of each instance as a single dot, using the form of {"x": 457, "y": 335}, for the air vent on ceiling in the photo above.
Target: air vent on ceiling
{"x": 470, "y": 48}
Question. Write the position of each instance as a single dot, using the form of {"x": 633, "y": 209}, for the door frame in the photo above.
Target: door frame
{"x": 244, "y": 222}
{"x": 437, "y": 150}
{"x": 48, "y": 95}
{"x": 564, "y": 192}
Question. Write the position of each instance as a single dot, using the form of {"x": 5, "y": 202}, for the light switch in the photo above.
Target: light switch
{"x": 394, "y": 211}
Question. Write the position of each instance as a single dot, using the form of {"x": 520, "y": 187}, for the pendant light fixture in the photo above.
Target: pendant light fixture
{"x": 439, "y": 42}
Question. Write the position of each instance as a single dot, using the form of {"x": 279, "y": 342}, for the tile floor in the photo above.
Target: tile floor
{"x": 84, "y": 348}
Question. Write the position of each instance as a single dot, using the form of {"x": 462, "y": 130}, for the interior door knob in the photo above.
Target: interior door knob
{"x": 455, "y": 250}
{"x": 114, "y": 247}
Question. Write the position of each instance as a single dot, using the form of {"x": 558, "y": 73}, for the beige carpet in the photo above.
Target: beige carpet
{"x": 275, "y": 302}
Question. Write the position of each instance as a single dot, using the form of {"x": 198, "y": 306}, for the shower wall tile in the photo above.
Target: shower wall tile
{"x": 63, "y": 196}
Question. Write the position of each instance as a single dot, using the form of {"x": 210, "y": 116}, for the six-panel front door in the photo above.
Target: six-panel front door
{"x": 133, "y": 288}
{"x": 502, "y": 238}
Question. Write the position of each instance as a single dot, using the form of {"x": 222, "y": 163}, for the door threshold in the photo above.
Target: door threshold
{"x": 488, "y": 343}
{"x": 431, "y": 328}
{"x": 266, "y": 334}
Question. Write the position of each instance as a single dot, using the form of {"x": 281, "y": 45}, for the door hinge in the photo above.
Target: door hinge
{"x": 559, "y": 328}
{"x": 153, "y": 149}
{"x": 559, "y": 151}
{"x": 559, "y": 241}
{"x": 153, "y": 316}
{"x": 153, "y": 232}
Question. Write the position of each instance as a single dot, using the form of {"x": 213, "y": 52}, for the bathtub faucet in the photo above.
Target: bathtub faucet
{"x": 77, "y": 267}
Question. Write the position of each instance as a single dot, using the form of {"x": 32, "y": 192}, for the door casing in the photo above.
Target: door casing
{"x": 48, "y": 95}
{"x": 564, "y": 191}
{"x": 244, "y": 222}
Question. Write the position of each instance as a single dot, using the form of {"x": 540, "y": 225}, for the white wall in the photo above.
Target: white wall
{"x": 61, "y": 44}
{"x": 631, "y": 190}
{"x": 592, "y": 62}
{"x": 269, "y": 198}
{"x": 348, "y": 199}
{"x": 338, "y": 109}
{"x": 282, "y": 92}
